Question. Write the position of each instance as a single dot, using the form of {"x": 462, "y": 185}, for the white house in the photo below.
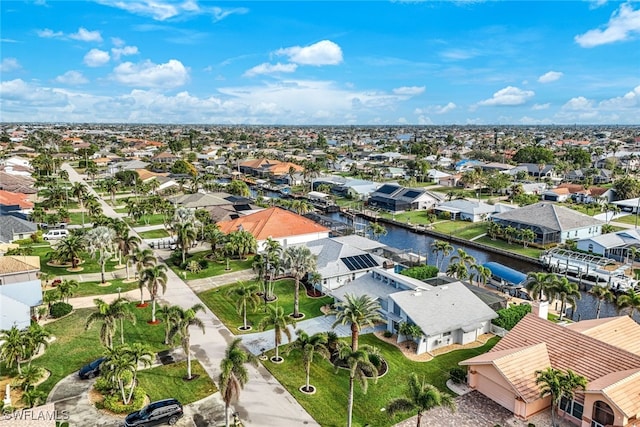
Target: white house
{"x": 20, "y": 290}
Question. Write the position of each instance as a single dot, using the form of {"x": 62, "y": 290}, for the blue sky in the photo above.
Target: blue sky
{"x": 321, "y": 63}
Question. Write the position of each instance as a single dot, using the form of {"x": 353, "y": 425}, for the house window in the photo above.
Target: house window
{"x": 602, "y": 414}
{"x": 446, "y": 334}
{"x": 572, "y": 408}
{"x": 590, "y": 247}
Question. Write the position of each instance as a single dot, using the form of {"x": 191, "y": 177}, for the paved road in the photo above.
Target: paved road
{"x": 263, "y": 402}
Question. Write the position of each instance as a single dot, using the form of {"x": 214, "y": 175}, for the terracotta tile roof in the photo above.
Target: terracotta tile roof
{"x": 259, "y": 163}
{"x": 10, "y": 265}
{"x": 560, "y": 191}
{"x": 622, "y": 389}
{"x": 283, "y": 168}
{"x": 273, "y": 222}
{"x": 569, "y": 349}
{"x": 144, "y": 174}
{"x": 8, "y": 198}
{"x": 622, "y": 332}
{"x": 518, "y": 366}
{"x": 573, "y": 188}
{"x": 597, "y": 191}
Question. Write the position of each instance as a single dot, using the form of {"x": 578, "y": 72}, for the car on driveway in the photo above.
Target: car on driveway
{"x": 167, "y": 411}
{"x": 91, "y": 370}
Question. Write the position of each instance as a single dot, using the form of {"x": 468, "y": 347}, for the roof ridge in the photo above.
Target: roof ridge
{"x": 625, "y": 379}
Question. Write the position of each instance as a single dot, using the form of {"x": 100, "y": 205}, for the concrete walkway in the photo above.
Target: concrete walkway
{"x": 264, "y": 401}
{"x": 201, "y": 285}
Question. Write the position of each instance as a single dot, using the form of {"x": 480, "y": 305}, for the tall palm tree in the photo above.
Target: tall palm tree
{"x": 359, "y": 365}
{"x": 70, "y": 248}
{"x": 483, "y": 274}
{"x": 275, "y": 317}
{"x": 35, "y": 337}
{"x": 539, "y": 284}
{"x": 182, "y": 320}
{"x": 168, "y": 313}
{"x": 356, "y": 311}
{"x": 119, "y": 365}
{"x": 571, "y": 382}
{"x": 12, "y": 349}
{"x": 234, "y": 374}
{"x": 630, "y": 302}
{"x": 109, "y": 314}
{"x": 186, "y": 234}
{"x": 442, "y": 249}
{"x": 126, "y": 245}
{"x": 309, "y": 346}
{"x": 550, "y": 382}
{"x": 602, "y": 293}
{"x": 420, "y": 397}
{"x": 99, "y": 242}
{"x": 246, "y": 298}
{"x": 298, "y": 261}
{"x": 80, "y": 191}
{"x": 567, "y": 292}
{"x": 66, "y": 287}
{"x": 154, "y": 278}
{"x": 140, "y": 355}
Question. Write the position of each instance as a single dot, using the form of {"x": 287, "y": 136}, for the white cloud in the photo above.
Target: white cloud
{"x": 86, "y": 36}
{"x": 117, "y": 52}
{"x": 164, "y": 10}
{"x": 409, "y": 90}
{"x": 49, "y": 34}
{"x": 550, "y": 76}
{"x": 267, "y": 68}
{"x": 445, "y": 109}
{"x": 510, "y": 95}
{"x": 538, "y": 107}
{"x": 96, "y": 58}
{"x": 117, "y": 41}
{"x": 597, "y": 3}
{"x": 629, "y": 100}
{"x": 72, "y": 78}
{"x": 324, "y": 52}
{"x": 624, "y": 23}
{"x": 459, "y": 54}
{"x": 9, "y": 64}
{"x": 147, "y": 74}
{"x": 579, "y": 103}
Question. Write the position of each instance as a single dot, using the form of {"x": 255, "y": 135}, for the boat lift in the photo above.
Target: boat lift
{"x": 618, "y": 276}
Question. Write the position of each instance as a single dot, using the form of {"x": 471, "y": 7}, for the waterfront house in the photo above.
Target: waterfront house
{"x": 357, "y": 189}
{"x": 605, "y": 351}
{"x": 611, "y": 245}
{"x": 281, "y": 225}
{"x": 395, "y": 198}
{"x": 20, "y": 290}
{"x": 448, "y": 313}
{"x": 466, "y": 210}
{"x": 631, "y": 206}
{"x": 553, "y": 224}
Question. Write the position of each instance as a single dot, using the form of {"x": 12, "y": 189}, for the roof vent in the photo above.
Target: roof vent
{"x": 444, "y": 288}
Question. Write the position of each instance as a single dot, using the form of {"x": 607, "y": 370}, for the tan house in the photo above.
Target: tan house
{"x": 20, "y": 290}
{"x": 605, "y": 351}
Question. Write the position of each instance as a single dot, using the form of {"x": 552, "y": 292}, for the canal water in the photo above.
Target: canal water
{"x": 420, "y": 244}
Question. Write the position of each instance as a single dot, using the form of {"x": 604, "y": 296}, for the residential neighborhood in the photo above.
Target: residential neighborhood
{"x": 259, "y": 276}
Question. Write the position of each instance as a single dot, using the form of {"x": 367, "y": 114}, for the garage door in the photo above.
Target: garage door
{"x": 496, "y": 392}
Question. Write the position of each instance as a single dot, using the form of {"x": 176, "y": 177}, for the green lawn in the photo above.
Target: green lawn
{"x": 415, "y": 217}
{"x": 74, "y": 346}
{"x": 90, "y": 265}
{"x": 628, "y": 219}
{"x": 462, "y": 229}
{"x": 224, "y": 307}
{"x": 155, "y": 219}
{"x": 86, "y": 289}
{"x": 122, "y": 210}
{"x": 329, "y": 405}
{"x": 154, "y": 234}
{"x": 167, "y": 381}
{"x": 214, "y": 268}
{"x": 75, "y": 218}
{"x": 513, "y": 247}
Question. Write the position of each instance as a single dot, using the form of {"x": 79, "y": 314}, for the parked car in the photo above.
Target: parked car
{"x": 57, "y": 225}
{"x": 167, "y": 411}
{"x": 55, "y": 234}
{"x": 91, "y": 370}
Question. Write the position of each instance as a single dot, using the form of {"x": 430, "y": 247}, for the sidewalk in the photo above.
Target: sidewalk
{"x": 201, "y": 285}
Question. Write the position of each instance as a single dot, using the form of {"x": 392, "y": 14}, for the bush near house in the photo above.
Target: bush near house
{"x": 421, "y": 272}
{"x": 509, "y": 317}
{"x": 60, "y": 309}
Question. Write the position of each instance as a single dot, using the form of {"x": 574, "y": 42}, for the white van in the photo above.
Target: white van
{"x": 55, "y": 234}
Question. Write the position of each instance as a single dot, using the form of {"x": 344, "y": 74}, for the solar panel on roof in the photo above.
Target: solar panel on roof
{"x": 386, "y": 189}
{"x": 412, "y": 194}
{"x": 359, "y": 262}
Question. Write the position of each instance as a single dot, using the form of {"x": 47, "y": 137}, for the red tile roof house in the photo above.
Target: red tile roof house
{"x": 605, "y": 351}
{"x": 282, "y": 225}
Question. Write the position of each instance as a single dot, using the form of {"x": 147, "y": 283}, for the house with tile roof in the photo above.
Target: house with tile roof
{"x": 553, "y": 224}
{"x": 17, "y": 183}
{"x": 282, "y": 225}
{"x": 447, "y": 313}
{"x": 20, "y": 290}
{"x": 605, "y": 351}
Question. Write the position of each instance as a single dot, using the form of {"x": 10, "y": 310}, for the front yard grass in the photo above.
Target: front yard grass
{"x": 155, "y": 219}
{"x": 224, "y": 305}
{"x": 627, "y": 219}
{"x": 90, "y": 265}
{"x": 513, "y": 247}
{"x": 167, "y": 381}
{"x": 74, "y": 346}
{"x": 329, "y": 404}
{"x": 214, "y": 268}
{"x": 154, "y": 234}
{"x": 86, "y": 289}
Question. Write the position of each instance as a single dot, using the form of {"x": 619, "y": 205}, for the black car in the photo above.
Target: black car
{"x": 163, "y": 411}
{"x": 91, "y": 370}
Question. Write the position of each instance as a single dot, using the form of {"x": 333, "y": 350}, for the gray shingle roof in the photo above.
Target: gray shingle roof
{"x": 10, "y": 225}
{"x": 550, "y": 216}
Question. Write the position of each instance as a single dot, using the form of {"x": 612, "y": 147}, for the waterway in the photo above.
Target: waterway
{"x": 420, "y": 244}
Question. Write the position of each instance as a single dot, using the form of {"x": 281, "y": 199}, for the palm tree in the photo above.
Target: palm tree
{"x": 359, "y": 365}
{"x": 242, "y": 242}
{"x": 66, "y": 287}
{"x": 483, "y": 274}
{"x": 356, "y": 311}
{"x": 35, "y": 337}
{"x": 571, "y": 382}
{"x": 12, "y": 349}
{"x": 457, "y": 270}
{"x": 79, "y": 191}
{"x": 154, "y": 278}
{"x": 550, "y": 382}
{"x": 420, "y": 397}
{"x": 539, "y": 284}
{"x": 70, "y": 248}
{"x": 186, "y": 234}
{"x": 234, "y": 374}
{"x": 441, "y": 248}
{"x": 108, "y": 315}
{"x": 126, "y": 245}
{"x": 298, "y": 260}
{"x": 630, "y": 302}
{"x": 602, "y": 293}
{"x": 29, "y": 376}
{"x": 100, "y": 243}
{"x": 309, "y": 346}
{"x": 168, "y": 314}
{"x": 246, "y": 297}
{"x": 275, "y": 317}
{"x": 140, "y": 355}
{"x": 119, "y": 365}
{"x": 377, "y": 230}
{"x": 182, "y": 320}
{"x": 33, "y": 397}
{"x": 566, "y": 292}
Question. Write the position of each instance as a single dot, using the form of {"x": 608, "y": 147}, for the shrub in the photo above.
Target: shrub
{"x": 103, "y": 385}
{"x": 458, "y": 375}
{"x": 60, "y": 309}
{"x": 509, "y": 317}
{"x": 421, "y": 272}
{"x": 203, "y": 264}
{"x": 113, "y": 402}
{"x": 387, "y": 334}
